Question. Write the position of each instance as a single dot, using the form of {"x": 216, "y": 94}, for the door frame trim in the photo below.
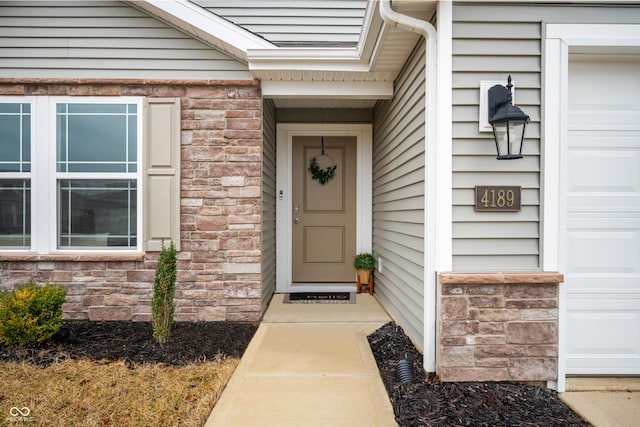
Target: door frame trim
{"x": 558, "y": 41}
{"x": 284, "y": 216}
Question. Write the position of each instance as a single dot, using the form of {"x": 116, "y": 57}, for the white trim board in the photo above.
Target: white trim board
{"x": 328, "y": 90}
{"x": 560, "y": 40}
{"x": 284, "y": 220}
{"x": 204, "y": 25}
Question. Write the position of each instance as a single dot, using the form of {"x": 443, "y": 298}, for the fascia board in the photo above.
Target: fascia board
{"x": 324, "y": 59}
{"x": 260, "y": 54}
{"x": 204, "y": 25}
{"x": 371, "y": 27}
{"x": 310, "y": 59}
{"x": 327, "y": 90}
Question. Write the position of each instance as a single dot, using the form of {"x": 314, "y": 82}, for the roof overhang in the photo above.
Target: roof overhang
{"x": 203, "y": 25}
{"x": 366, "y": 72}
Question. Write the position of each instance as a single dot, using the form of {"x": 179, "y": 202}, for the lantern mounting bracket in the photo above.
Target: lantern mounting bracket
{"x": 499, "y": 96}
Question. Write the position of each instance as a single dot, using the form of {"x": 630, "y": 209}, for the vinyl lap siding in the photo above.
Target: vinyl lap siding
{"x": 398, "y": 197}
{"x": 268, "y": 202}
{"x": 486, "y": 49}
{"x": 295, "y": 22}
{"x": 96, "y": 39}
{"x": 491, "y": 41}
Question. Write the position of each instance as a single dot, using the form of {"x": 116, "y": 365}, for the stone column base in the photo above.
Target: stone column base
{"x": 498, "y": 327}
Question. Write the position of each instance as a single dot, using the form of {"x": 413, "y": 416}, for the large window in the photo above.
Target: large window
{"x": 97, "y": 141}
{"x": 85, "y": 187}
{"x": 15, "y": 175}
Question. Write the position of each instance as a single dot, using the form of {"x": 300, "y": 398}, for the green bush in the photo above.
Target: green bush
{"x": 31, "y": 313}
{"x": 163, "y": 289}
{"x": 364, "y": 261}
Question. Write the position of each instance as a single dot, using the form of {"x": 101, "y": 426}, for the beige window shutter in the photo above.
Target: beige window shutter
{"x": 161, "y": 173}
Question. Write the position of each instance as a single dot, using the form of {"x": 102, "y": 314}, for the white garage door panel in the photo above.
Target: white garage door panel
{"x": 598, "y": 322}
{"x": 616, "y": 171}
{"x": 605, "y": 120}
{"x": 602, "y": 218}
{"x": 592, "y": 83}
{"x": 622, "y": 350}
{"x": 605, "y": 251}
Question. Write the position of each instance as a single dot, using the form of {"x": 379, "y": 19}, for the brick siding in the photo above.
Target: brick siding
{"x": 219, "y": 262}
{"x": 496, "y": 327}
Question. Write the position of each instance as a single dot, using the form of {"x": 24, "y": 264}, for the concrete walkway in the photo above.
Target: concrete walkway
{"x": 309, "y": 365}
{"x": 605, "y": 402}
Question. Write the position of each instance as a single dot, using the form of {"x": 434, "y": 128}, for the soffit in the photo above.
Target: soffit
{"x": 380, "y": 54}
{"x": 378, "y": 58}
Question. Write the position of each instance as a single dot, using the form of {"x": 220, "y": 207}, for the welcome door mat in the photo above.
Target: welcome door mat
{"x": 320, "y": 298}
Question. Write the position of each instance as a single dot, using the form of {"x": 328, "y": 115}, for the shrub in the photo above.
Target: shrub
{"x": 31, "y": 313}
{"x": 364, "y": 261}
{"x": 163, "y": 289}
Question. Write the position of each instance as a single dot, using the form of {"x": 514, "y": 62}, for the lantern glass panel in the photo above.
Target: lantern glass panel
{"x": 508, "y": 136}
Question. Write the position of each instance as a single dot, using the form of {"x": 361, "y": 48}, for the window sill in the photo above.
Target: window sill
{"x": 75, "y": 256}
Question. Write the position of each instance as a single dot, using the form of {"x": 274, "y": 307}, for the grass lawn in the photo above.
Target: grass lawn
{"x": 94, "y": 393}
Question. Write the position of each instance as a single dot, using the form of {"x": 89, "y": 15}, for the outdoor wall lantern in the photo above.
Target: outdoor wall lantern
{"x": 508, "y": 122}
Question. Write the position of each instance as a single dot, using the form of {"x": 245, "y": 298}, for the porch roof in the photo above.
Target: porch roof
{"x": 309, "y": 73}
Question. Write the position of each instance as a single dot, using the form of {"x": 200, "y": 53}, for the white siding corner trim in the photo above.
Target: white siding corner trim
{"x": 442, "y": 152}
{"x": 559, "y": 41}
{"x": 438, "y": 247}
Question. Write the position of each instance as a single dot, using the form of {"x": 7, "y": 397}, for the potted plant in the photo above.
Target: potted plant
{"x": 364, "y": 263}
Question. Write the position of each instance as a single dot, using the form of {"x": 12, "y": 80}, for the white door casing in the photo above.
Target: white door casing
{"x": 284, "y": 187}
{"x": 560, "y": 40}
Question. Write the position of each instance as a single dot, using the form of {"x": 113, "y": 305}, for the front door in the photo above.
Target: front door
{"x": 324, "y": 214}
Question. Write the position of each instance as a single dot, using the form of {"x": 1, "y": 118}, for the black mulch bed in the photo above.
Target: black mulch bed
{"x": 425, "y": 401}
{"x": 133, "y": 342}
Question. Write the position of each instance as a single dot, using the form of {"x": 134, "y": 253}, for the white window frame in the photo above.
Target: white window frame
{"x": 23, "y": 175}
{"x": 559, "y": 40}
{"x": 44, "y": 178}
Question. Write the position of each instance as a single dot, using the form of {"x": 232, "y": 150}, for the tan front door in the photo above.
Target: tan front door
{"x": 324, "y": 216}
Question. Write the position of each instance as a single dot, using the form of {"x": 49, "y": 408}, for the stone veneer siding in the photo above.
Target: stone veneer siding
{"x": 498, "y": 327}
{"x": 219, "y": 261}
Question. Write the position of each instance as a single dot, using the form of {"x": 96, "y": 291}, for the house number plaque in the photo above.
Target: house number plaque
{"x": 498, "y": 198}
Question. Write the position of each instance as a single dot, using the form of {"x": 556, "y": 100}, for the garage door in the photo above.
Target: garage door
{"x": 601, "y": 241}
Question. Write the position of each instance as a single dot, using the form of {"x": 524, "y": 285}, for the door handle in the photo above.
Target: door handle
{"x": 296, "y": 220}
